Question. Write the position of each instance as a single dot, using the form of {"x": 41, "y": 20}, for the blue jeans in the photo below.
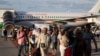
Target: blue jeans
{"x": 21, "y": 48}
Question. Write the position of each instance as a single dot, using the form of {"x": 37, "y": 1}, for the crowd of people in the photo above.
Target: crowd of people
{"x": 72, "y": 41}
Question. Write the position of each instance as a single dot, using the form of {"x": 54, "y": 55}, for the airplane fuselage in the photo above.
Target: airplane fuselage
{"x": 47, "y": 17}
{"x": 29, "y": 18}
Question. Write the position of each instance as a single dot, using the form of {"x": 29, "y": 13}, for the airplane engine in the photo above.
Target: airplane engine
{"x": 8, "y": 21}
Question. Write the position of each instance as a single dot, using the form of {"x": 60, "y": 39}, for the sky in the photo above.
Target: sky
{"x": 49, "y": 5}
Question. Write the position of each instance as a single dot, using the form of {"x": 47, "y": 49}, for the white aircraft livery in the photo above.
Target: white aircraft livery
{"x": 9, "y": 17}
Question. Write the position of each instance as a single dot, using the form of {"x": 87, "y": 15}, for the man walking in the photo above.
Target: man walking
{"x": 5, "y": 34}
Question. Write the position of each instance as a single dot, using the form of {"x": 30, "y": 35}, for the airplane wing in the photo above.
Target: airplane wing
{"x": 74, "y": 19}
{"x": 85, "y": 17}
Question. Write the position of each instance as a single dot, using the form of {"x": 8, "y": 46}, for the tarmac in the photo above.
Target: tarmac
{"x": 7, "y": 48}
{"x": 93, "y": 48}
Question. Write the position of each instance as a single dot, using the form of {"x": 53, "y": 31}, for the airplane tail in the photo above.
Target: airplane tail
{"x": 96, "y": 8}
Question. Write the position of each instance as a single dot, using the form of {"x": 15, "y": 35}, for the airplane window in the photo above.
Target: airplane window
{"x": 24, "y": 16}
{"x": 48, "y": 16}
{"x": 17, "y": 16}
{"x": 60, "y": 16}
{"x": 64, "y": 16}
{"x": 34, "y": 17}
{"x": 45, "y": 16}
{"x": 20, "y": 17}
{"x": 31, "y": 17}
{"x": 28, "y": 16}
{"x": 38, "y": 17}
{"x": 41, "y": 16}
{"x": 51, "y": 16}
{"x": 54, "y": 16}
{"x": 57, "y": 17}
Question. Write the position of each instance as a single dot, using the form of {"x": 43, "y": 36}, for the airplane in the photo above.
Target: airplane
{"x": 9, "y": 18}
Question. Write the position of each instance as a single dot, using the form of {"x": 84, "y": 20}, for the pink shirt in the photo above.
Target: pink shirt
{"x": 20, "y": 38}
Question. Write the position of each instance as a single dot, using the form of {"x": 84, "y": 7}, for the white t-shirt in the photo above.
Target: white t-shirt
{"x": 37, "y": 36}
{"x": 44, "y": 39}
{"x": 30, "y": 40}
{"x": 63, "y": 40}
{"x": 34, "y": 32}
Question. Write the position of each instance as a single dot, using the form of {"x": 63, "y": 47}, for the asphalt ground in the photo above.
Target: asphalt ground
{"x": 9, "y": 47}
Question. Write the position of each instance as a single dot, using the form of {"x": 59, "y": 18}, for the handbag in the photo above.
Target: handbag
{"x": 37, "y": 52}
{"x": 42, "y": 45}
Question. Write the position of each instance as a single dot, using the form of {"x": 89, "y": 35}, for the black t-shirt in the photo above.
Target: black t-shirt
{"x": 71, "y": 37}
